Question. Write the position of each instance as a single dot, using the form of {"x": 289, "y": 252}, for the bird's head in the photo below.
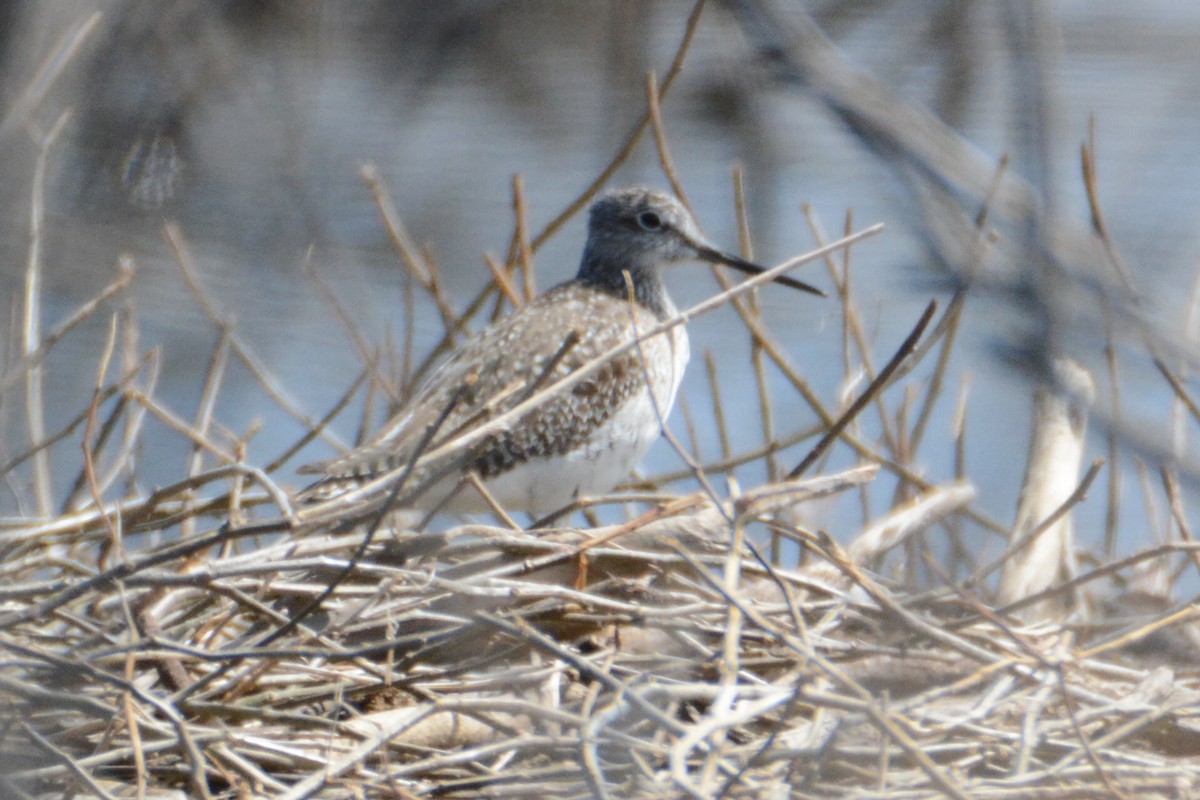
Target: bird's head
{"x": 640, "y": 230}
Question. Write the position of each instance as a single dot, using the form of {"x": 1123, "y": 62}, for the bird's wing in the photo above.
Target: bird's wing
{"x": 392, "y": 445}
{"x": 500, "y": 363}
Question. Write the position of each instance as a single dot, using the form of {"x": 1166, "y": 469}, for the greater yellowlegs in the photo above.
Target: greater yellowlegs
{"x": 582, "y": 441}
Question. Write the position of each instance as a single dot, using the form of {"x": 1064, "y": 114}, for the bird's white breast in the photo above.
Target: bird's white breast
{"x": 610, "y": 454}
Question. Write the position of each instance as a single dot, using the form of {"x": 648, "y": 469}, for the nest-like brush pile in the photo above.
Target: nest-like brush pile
{"x": 661, "y": 657}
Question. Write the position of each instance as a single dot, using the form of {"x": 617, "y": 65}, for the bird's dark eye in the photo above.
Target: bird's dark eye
{"x": 650, "y": 221}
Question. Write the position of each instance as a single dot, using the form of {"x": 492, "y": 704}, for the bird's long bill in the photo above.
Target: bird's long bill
{"x": 709, "y": 253}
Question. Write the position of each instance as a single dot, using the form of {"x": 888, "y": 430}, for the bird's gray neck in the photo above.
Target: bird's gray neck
{"x": 648, "y": 288}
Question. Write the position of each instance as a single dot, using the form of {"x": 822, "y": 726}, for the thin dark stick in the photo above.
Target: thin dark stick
{"x": 876, "y": 386}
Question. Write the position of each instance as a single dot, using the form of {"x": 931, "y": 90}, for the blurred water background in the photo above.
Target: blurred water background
{"x": 247, "y": 123}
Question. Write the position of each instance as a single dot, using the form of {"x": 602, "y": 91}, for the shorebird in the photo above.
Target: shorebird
{"x": 581, "y": 441}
